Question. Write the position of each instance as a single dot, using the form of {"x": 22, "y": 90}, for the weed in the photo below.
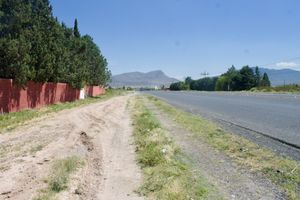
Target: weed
{"x": 58, "y": 180}
{"x": 167, "y": 176}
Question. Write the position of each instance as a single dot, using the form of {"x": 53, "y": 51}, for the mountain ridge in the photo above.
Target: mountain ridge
{"x": 281, "y": 76}
{"x": 156, "y": 78}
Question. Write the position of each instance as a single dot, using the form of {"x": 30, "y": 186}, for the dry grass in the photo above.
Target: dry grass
{"x": 167, "y": 176}
{"x": 58, "y": 180}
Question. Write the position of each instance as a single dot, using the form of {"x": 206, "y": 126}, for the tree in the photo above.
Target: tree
{"x": 246, "y": 80}
{"x": 204, "y": 84}
{"x": 178, "y": 86}
{"x": 35, "y": 46}
{"x": 265, "y": 82}
{"x": 76, "y": 30}
{"x": 257, "y": 77}
{"x": 15, "y": 35}
{"x": 188, "y": 80}
{"x": 222, "y": 83}
{"x": 228, "y": 81}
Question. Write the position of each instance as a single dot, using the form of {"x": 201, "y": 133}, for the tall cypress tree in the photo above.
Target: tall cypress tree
{"x": 76, "y": 30}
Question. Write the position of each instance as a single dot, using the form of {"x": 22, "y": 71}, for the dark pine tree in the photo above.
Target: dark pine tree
{"x": 76, "y": 30}
{"x": 265, "y": 81}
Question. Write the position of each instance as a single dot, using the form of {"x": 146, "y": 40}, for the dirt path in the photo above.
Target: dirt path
{"x": 99, "y": 133}
{"x": 231, "y": 180}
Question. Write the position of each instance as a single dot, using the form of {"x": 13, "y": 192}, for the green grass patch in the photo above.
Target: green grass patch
{"x": 283, "y": 171}
{"x": 58, "y": 180}
{"x": 11, "y": 120}
{"x": 166, "y": 175}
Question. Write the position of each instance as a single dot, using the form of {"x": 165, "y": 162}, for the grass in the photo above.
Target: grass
{"x": 283, "y": 171}
{"x": 166, "y": 175}
{"x": 11, "y": 120}
{"x": 58, "y": 180}
{"x": 292, "y": 88}
{"x": 36, "y": 148}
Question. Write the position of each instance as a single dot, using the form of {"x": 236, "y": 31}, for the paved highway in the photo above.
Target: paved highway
{"x": 274, "y": 115}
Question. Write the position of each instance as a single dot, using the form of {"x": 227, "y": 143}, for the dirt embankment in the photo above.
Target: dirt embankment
{"x": 100, "y": 134}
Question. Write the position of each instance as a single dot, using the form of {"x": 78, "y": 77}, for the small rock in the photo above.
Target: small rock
{"x": 78, "y": 191}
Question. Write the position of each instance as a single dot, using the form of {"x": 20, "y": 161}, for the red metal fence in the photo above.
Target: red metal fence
{"x": 14, "y": 98}
{"x": 94, "y": 91}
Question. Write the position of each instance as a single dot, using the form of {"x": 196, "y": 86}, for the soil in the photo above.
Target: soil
{"x": 100, "y": 134}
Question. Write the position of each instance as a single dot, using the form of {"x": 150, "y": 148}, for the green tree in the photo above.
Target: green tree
{"x": 246, "y": 79}
{"x": 228, "y": 81}
{"x": 178, "y": 86}
{"x": 257, "y": 77}
{"x": 188, "y": 80}
{"x": 76, "y": 30}
{"x": 204, "y": 84}
{"x": 35, "y": 46}
{"x": 15, "y": 35}
{"x": 222, "y": 83}
{"x": 265, "y": 82}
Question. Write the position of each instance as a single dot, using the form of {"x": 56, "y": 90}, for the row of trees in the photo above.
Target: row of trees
{"x": 233, "y": 80}
{"x": 35, "y": 46}
{"x": 243, "y": 79}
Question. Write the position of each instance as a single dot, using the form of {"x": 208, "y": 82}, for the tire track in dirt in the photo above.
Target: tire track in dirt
{"x": 90, "y": 132}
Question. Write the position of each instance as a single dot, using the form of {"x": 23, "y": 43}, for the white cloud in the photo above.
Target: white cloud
{"x": 291, "y": 65}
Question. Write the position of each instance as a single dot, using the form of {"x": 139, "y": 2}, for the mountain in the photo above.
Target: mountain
{"x": 282, "y": 76}
{"x": 138, "y": 79}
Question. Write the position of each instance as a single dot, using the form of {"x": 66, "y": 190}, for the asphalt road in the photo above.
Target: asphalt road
{"x": 277, "y": 116}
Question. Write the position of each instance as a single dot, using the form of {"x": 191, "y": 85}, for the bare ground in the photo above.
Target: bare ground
{"x": 232, "y": 181}
{"x": 100, "y": 134}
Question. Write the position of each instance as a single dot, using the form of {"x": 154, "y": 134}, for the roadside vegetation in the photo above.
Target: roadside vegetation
{"x": 283, "y": 171}
{"x": 166, "y": 175}
{"x": 233, "y": 80}
{"x": 59, "y": 177}
{"x": 11, "y": 120}
{"x": 292, "y": 88}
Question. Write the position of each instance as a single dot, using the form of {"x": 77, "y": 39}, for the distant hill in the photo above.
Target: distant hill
{"x": 138, "y": 79}
{"x": 281, "y": 76}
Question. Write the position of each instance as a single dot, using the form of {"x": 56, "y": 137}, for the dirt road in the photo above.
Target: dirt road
{"x": 100, "y": 134}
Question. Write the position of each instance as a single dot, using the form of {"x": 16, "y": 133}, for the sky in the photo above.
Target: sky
{"x": 189, "y": 37}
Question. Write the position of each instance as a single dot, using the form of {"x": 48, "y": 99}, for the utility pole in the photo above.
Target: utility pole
{"x": 204, "y": 74}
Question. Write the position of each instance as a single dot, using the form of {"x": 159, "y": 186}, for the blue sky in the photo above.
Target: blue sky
{"x": 189, "y": 37}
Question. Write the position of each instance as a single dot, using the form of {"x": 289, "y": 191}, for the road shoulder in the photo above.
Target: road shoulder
{"x": 233, "y": 181}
